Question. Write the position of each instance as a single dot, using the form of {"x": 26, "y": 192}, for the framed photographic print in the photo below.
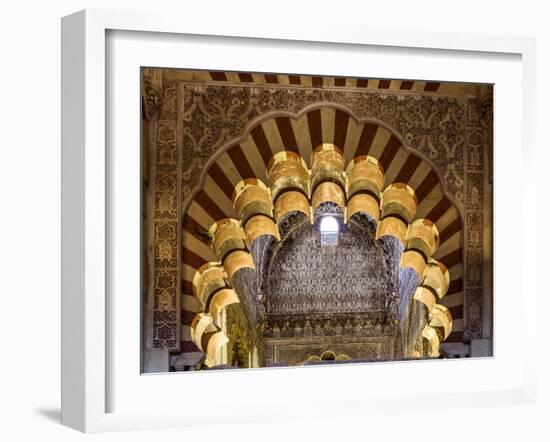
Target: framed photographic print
{"x": 304, "y": 219}
{"x": 296, "y": 220}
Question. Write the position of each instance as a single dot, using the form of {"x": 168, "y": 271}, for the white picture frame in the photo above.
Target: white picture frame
{"x": 89, "y": 375}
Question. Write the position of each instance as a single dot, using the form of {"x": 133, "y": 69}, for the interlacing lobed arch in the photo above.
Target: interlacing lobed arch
{"x": 249, "y": 157}
{"x": 358, "y": 189}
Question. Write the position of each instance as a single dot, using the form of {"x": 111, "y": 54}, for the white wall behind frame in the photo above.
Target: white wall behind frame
{"x": 30, "y": 117}
{"x": 131, "y": 392}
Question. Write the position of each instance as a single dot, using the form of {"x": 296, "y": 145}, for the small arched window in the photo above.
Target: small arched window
{"x": 328, "y": 356}
{"x": 329, "y": 228}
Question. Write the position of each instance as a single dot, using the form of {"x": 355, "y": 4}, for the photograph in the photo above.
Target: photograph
{"x": 292, "y": 220}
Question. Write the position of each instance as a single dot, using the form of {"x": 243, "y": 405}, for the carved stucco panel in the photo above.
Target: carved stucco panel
{"x": 165, "y": 215}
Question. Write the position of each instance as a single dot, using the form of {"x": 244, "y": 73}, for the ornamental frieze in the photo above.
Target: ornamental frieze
{"x": 373, "y": 324}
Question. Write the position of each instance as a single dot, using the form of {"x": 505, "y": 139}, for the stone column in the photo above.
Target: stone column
{"x": 160, "y": 172}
